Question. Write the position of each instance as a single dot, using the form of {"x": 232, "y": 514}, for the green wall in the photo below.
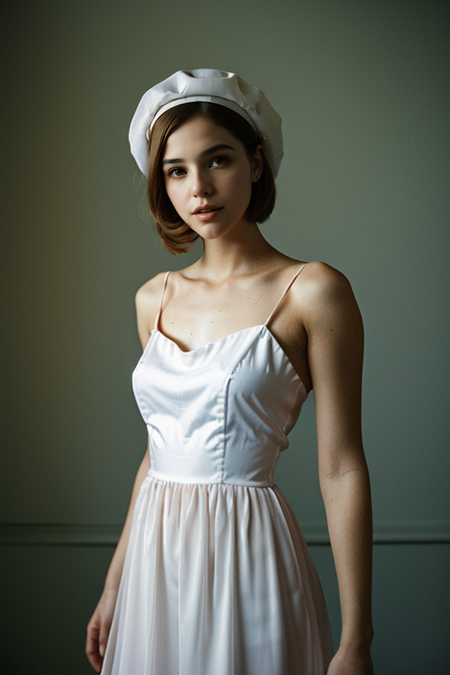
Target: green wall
{"x": 363, "y": 91}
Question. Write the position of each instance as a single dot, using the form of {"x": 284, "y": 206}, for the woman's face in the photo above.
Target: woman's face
{"x": 208, "y": 177}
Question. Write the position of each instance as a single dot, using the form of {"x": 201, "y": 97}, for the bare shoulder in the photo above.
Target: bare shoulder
{"x": 321, "y": 279}
{"x": 325, "y": 295}
{"x": 150, "y": 292}
{"x": 148, "y": 299}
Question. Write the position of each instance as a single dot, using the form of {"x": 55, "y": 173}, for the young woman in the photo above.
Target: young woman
{"x": 212, "y": 575}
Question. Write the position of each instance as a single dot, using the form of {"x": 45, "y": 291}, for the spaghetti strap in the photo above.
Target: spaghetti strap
{"x": 158, "y": 316}
{"x": 285, "y": 291}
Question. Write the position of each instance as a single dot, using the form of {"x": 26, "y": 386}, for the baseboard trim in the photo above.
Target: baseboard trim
{"x": 316, "y": 534}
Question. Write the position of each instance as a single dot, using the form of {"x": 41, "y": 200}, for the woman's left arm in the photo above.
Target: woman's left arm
{"x": 335, "y": 353}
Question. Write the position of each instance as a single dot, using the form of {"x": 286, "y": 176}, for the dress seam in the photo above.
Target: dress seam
{"x": 207, "y": 483}
{"x": 294, "y": 401}
{"x": 225, "y": 419}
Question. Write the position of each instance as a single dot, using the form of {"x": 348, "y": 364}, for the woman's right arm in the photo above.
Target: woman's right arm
{"x": 147, "y": 304}
{"x": 100, "y": 623}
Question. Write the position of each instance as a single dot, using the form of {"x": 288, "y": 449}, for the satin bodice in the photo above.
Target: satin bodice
{"x": 220, "y": 413}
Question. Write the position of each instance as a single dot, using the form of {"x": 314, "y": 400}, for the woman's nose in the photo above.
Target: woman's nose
{"x": 200, "y": 185}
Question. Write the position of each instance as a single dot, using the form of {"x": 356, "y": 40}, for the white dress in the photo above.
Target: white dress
{"x": 218, "y": 579}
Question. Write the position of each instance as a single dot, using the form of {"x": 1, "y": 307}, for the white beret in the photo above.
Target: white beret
{"x": 214, "y": 86}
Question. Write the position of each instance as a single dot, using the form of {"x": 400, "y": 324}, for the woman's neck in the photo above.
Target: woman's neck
{"x": 245, "y": 252}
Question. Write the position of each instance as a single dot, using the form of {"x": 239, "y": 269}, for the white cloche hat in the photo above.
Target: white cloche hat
{"x": 214, "y": 86}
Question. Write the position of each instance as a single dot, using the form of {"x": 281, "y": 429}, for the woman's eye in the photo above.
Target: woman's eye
{"x": 219, "y": 161}
{"x": 176, "y": 172}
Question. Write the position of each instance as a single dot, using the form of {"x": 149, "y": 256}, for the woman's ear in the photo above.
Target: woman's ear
{"x": 257, "y": 164}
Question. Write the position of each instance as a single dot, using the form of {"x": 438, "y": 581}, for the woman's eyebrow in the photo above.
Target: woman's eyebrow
{"x": 208, "y": 151}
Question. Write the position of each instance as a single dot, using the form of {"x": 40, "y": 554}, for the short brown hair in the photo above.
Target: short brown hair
{"x": 176, "y": 235}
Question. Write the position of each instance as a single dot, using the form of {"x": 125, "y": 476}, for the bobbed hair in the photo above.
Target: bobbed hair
{"x": 176, "y": 235}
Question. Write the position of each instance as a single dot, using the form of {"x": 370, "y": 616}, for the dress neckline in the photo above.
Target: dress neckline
{"x": 261, "y": 326}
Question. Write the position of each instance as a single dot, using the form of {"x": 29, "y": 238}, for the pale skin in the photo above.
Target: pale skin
{"x": 234, "y": 285}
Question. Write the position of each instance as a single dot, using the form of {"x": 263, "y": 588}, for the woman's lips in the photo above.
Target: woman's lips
{"x": 206, "y": 216}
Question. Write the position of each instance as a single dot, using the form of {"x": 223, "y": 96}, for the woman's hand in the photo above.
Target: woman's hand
{"x": 351, "y": 662}
{"x": 98, "y": 629}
